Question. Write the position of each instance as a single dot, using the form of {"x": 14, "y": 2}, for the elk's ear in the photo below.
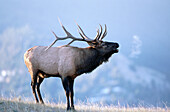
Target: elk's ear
{"x": 96, "y": 44}
{"x": 93, "y": 44}
{"x": 100, "y": 43}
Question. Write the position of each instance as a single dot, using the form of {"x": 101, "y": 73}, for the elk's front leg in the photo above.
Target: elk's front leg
{"x": 71, "y": 83}
{"x": 65, "y": 83}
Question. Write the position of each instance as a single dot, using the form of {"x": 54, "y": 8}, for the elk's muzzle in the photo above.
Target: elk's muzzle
{"x": 115, "y": 46}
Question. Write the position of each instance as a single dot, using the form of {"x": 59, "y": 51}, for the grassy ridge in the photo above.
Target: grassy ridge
{"x": 20, "y": 106}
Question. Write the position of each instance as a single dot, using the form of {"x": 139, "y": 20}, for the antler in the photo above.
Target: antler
{"x": 88, "y": 40}
{"x": 100, "y": 35}
{"x": 82, "y": 34}
{"x": 105, "y": 33}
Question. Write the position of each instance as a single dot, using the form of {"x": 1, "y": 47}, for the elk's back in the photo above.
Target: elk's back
{"x": 56, "y": 60}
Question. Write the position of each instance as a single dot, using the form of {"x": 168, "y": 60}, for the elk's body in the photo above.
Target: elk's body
{"x": 66, "y": 62}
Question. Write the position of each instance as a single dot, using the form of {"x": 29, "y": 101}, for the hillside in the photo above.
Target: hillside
{"x": 121, "y": 79}
{"x": 19, "y": 106}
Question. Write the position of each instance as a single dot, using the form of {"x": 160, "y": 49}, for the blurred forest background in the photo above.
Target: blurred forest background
{"x": 138, "y": 74}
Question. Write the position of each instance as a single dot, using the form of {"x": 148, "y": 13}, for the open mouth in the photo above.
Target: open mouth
{"x": 116, "y": 50}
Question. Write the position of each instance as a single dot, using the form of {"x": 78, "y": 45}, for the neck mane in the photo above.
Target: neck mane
{"x": 92, "y": 59}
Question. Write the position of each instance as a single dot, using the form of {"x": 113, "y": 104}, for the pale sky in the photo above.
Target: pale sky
{"x": 147, "y": 19}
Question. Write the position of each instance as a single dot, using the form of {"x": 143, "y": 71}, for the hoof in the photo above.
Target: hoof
{"x": 71, "y": 109}
{"x": 41, "y": 102}
{"x": 68, "y": 108}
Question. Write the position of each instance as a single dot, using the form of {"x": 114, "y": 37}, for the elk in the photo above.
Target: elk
{"x": 67, "y": 62}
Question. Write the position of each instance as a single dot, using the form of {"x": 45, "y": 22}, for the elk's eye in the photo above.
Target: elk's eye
{"x": 104, "y": 46}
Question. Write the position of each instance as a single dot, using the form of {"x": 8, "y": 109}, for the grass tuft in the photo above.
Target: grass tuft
{"x": 17, "y": 105}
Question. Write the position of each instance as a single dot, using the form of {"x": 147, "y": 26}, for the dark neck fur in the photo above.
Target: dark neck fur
{"x": 93, "y": 61}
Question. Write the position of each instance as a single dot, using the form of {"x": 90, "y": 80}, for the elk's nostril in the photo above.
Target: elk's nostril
{"x": 116, "y": 45}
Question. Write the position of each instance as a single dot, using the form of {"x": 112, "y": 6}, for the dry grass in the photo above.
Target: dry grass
{"x": 15, "y": 105}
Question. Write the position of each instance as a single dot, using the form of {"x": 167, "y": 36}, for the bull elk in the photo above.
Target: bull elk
{"x": 67, "y": 62}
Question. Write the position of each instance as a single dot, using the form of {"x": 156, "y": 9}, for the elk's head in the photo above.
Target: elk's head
{"x": 108, "y": 47}
{"x": 105, "y": 48}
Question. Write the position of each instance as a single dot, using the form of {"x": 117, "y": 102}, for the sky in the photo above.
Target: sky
{"x": 141, "y": 27}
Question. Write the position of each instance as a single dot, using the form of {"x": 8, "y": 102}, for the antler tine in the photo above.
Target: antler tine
{"x": 101, "y": 30}
{"x": 82, "y": 34}
{"x": 68, "y": 34}
{"x": 53, "y": 42}
{"x": 97, "y": 35}
{"x": 55, "y": 35}
{"x": 105, "y": 33}
{"x": 57, "y": 38}
{"x": 51, "y": 45}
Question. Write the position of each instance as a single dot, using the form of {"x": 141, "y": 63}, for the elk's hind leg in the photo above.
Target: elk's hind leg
{"x": 33, "y": 84}
{"x": 39, "y": 81}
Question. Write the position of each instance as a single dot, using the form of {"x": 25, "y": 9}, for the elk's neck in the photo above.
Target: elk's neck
{"x": 91, "y": 59}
